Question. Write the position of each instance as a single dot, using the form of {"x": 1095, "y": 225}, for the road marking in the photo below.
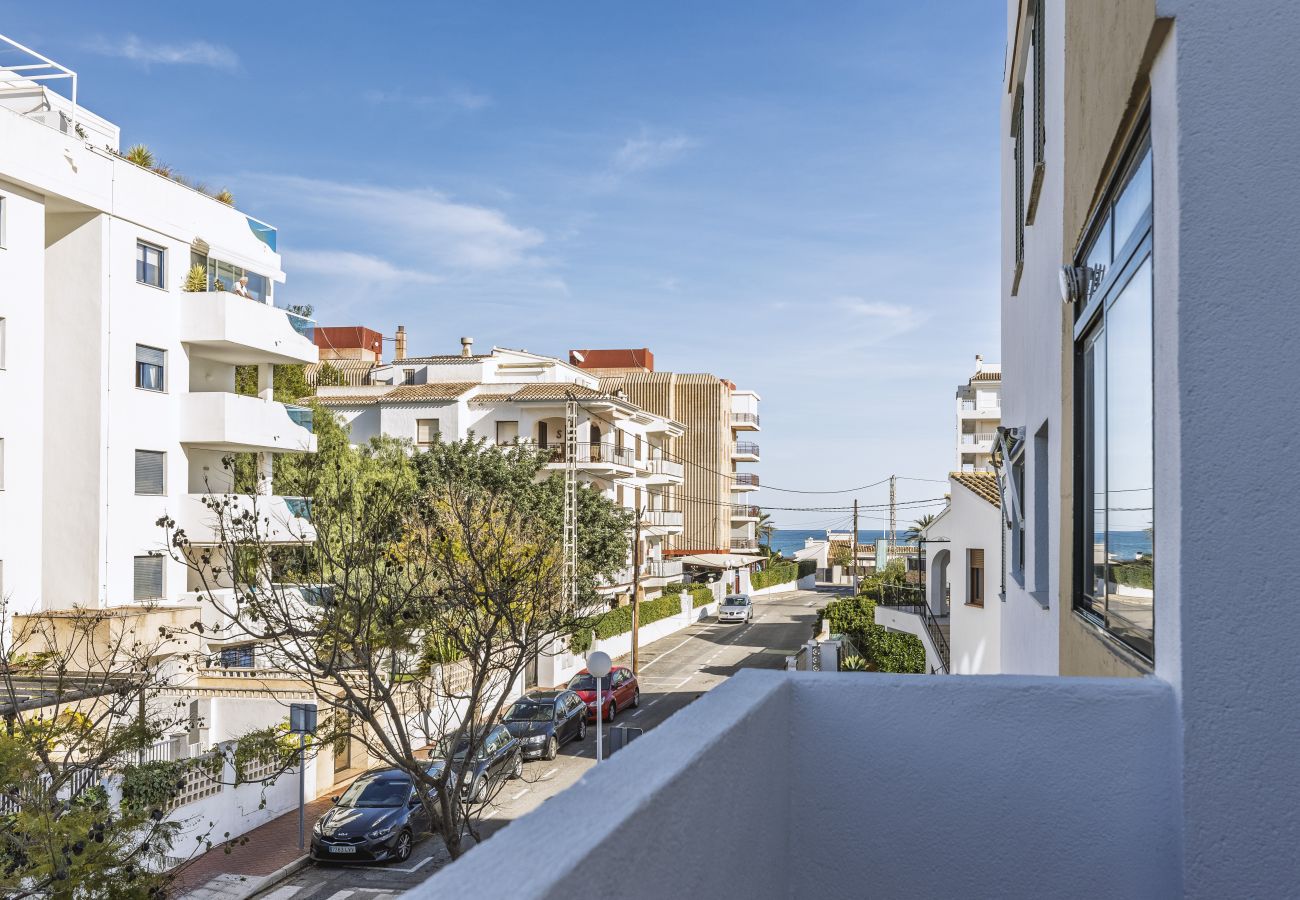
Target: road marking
{"x": 653, "y": 702}
{"x": 423, "y": 862}
{"x": 549, "y": 773}
{"x": 283, "y": 893}
{"x": 518, "y": 795}
{"x": 637, "y": 713}
{"x": 666, "y": 652}
{"x": 343, "y": 895}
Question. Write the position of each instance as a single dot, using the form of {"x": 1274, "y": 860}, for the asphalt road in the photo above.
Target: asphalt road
{"x": 674, "y": 671}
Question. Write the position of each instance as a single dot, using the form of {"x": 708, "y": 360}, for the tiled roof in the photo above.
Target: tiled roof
{"x": 355, "y": 372}
{"x": 548, "y": 390}
{"x": 982, "y": 484}
{"x": 450, "y": 358}
{"x": 344, "y": 400}
{"x": 995, "y": 375}
{"x": 434, "y": 390}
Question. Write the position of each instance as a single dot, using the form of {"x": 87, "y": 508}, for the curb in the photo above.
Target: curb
{"x": 276, "y": 877}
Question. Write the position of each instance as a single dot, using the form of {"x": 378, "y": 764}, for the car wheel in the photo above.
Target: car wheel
{"x": 404, "y": 846}
{"x": 636, "y": 698}
{"x": 582, "y": 730}
{"x": 613, "y": 711}
{"x": 479, "y": 789}
{"x": 552, "y": 748}
{"x": 518, "y": 771}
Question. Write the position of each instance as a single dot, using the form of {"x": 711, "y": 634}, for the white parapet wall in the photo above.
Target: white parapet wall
{"x": 809, "y": 806}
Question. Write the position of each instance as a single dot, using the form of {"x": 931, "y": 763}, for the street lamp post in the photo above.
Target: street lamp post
{"x": 598, "y": 666}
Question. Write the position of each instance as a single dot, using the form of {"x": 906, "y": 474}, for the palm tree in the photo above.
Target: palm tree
{"x": 765, "y": 529}
{"x": 913, "y": 533}
{"x": 140, "y": 155}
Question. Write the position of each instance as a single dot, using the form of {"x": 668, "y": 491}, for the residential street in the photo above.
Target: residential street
{"x": 674, "y": 672}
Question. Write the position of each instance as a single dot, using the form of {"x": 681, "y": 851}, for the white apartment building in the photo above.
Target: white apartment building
{"x": 118, "y": 402}
{"x": 744, "y": 449}
{"x": 510, "y": 396}
{"x": 1150, "y": 145}
{"x": 979, "y": 412}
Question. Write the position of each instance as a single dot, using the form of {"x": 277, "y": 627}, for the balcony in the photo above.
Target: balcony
{"x": 745, "y": 513}
{"x": 745, "y": 421}
{"x": 972, "y": 764}
{"x": 601, "y": 459}
{"x": 663, "y": 521}
{"x": 232, "y": 329}
{"x": 969, "y": 410}
{"x": 744, "y": 544}
{"x": 220, "y": 421}
{"x": 977, "y": 442}
{"x": 661, "y": 471}
{"x": 271, "y": 518}
{"x": 744, "y": 481}
{"x": 745, "y": 451}
{"x": 658, "y": 572}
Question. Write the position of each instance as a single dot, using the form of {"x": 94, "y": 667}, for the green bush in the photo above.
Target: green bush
{"x": 887, "y": 651}
{"x": 619, "y": 621}
{"x": 700, "y": 593}
{"x": 853, "y": 664}
{"x": 807, "y": 567}
{"x": 780, "y": 573}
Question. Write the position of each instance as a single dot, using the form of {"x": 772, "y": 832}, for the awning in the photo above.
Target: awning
{"x": 721, "y": 560}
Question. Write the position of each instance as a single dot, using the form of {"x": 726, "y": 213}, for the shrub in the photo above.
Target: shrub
{"x": 853, "y": 664}
{"x": 619, "y": 621}
{"x": 807, "y": 567}
{"x": 887, "y": 651}
{"x": 196, "y": 280}
{"x": 780, "y": 573}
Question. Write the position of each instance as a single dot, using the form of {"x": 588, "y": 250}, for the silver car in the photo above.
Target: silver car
{"x": 736, "y": 608}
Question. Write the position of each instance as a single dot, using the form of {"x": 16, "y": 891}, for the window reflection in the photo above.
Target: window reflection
{"x": 1133, "y": 201}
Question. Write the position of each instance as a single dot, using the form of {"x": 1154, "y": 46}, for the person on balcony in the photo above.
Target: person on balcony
{"x": 241, "y": 287}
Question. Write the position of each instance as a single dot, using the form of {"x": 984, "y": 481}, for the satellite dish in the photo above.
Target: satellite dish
{"x": 578, "y": 356}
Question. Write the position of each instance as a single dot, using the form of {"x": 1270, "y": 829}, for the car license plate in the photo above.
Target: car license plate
{"x": 343, "y": 849}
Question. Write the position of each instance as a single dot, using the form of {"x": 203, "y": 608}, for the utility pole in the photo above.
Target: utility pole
{"x": 893, "y": 518}
{"x": 636, "y": 594}
{"x": 571, "y": 504}
{"x": 853, "y": 543}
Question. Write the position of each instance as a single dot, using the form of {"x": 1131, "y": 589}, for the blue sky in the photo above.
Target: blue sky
{"x": 799, "y": 197}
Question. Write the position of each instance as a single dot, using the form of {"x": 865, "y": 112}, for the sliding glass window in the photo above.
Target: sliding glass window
{"x": 1115, "y": 566}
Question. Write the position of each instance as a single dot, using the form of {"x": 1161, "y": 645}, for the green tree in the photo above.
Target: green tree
{"x": 766, "y": 529}
{"x": 917, "y": 528}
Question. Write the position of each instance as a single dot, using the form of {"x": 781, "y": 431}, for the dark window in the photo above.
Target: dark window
{"x": 149, "y": 264}
{"x": 408, "y": 376}
{"x": 975, "y": 577}
{"x": 150, "y": 368}
{"x": 148, "y": 577}
{"x": 1039, "y": 73}
{"x": 1115, "y": 566}
{"x": 150, "y": 472}
{"x": 238, "y": 657}
{"x": 1018, "y": 138}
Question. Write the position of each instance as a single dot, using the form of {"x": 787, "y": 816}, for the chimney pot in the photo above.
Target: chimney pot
{"x": 467, "y": 346}
{"x": 399, "y": 343}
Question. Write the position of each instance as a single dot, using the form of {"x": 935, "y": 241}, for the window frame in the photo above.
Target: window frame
{"x": 435, "y": 429}
{"x": 4, "y": 215}
{"x": 162, "y": 577}
{"x": 973, "y": 580}
{"x": 1037, "y": 38}
{"x": 163, "y": 467}
{"x": 1018, "y": 157}
{"x": 162, "y": 367}
{"x": 1127, "y": 262}
{"x": 162, "y": 264}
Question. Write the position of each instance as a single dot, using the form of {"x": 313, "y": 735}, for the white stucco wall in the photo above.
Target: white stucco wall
{"x": 1031, "y": 356}
{"x": 970, "y": 522}
{"x": 809, "y": 803}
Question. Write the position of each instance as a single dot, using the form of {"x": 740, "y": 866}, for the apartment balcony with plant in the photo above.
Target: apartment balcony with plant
{"x": 226, "y": 327}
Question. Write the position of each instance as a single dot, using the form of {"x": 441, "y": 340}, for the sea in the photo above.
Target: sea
{"x": 1123, "y": 544}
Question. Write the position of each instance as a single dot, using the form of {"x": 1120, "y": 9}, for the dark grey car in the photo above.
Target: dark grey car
{"x": 375, "y": 820}
{"x": 544, "y": 721}
{"x": 499, "y": 757}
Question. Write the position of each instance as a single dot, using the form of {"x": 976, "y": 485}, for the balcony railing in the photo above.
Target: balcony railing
{"x": 303, "y": 325}
{"x": 744, "y": 543}
{"x": 664, "y": 568}
{"x": 744, "y": 419}
{"x": 664, "y": 467}
{"x": 746, "y": 448}
{"x": 596, "y": 453}
{"x": 978, "y": 437}
{"x": 746, "y": 478}
{"x": 664, "y": 518}
{"x": 745, "y": 512}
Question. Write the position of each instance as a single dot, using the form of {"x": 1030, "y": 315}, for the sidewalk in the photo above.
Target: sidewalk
{"x": 270, "y": 849}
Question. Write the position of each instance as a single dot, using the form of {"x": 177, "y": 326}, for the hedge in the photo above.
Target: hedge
{"x": 701, "y": 594}
{"x": 885, "y": 650}
{"x": 807, "y": 567}
{"x": 619, "y": 620}
{"x": 778, "y": 573}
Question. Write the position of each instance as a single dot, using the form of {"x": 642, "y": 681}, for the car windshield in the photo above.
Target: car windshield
{"x": 586, "y": 682}
{"x": 462, "y": 747}
{"x": 530, "y": 711}
{"x": 376, "y": 793}
{"x": 734, "y": 601}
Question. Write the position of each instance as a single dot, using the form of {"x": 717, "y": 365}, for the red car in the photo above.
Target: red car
{"x": 618, "y": 690}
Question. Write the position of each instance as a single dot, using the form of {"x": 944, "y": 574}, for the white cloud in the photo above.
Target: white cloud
{"x": 644, "y": 152}
{"x": 348, "y": 266}
{"x": 193, "y": 53}
{"x": 875, "y": 309}
{"x": 459, "y": 97}
{"x": 880, "y": 320}
{"x": 415, "y": 225}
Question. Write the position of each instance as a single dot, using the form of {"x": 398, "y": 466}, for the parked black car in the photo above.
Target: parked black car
{"x": 499, "y": 757}
{"x": 375, "y": 820}
{"x": 544, "y": 721}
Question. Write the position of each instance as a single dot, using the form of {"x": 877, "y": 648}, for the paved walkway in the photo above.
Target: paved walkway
{"x": 235, "y": 869}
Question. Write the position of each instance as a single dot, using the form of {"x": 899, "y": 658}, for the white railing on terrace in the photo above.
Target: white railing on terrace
{"x": 979, "y": 437}
{"x": 811, "y": 808}
{"x": 664, "y": 518}
{"x": 664, "y": 568}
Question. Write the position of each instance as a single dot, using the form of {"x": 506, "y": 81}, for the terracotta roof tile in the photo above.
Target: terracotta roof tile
{"x": 982, "y": 484}
{"x": 434, "y": 390}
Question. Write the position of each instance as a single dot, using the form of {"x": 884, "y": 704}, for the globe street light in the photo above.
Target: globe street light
{"x": 598, "y": 665}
